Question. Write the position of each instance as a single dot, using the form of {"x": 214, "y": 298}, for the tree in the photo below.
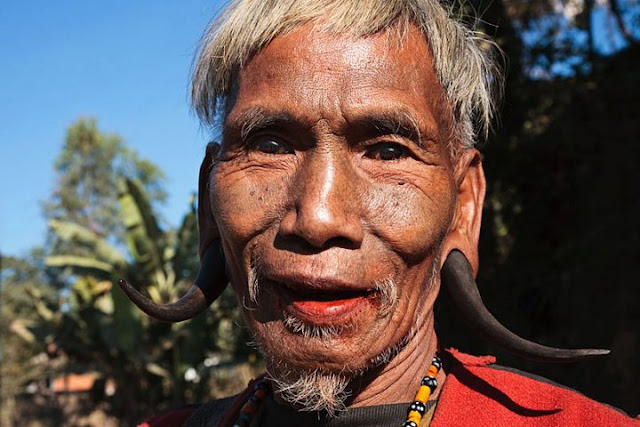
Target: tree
{"x": 19, "y": 341}
{"x": 148, "y": 360}
{"x": 87, "y": 172}
{"x": 84, "y": 323}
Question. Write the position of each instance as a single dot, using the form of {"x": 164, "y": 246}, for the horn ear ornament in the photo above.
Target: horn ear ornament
{"x": 458, "y": 282}
{"x": 209, "y": 284}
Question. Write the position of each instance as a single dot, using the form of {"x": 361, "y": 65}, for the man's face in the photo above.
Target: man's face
{"x": 333, "y": 193}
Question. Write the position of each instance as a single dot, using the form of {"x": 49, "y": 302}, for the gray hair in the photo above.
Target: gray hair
{"x": 464, "y": 60}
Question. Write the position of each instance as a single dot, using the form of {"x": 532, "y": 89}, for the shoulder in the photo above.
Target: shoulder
{"x": 499, "y": 396}
{"x": 209, "y": 413}
{"x": 213, "y": 413}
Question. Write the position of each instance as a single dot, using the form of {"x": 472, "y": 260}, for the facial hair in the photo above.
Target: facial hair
{"x": 321, "y": 390}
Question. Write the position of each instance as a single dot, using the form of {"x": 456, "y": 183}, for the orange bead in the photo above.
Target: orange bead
{"x": 423, "y": 394}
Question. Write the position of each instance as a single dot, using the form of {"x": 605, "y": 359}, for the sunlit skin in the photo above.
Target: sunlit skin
{"x": 335, "y": 173}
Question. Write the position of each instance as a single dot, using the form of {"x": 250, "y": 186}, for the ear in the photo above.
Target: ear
{"x": 464, "y": 231}
{"x": 206, "y": 224}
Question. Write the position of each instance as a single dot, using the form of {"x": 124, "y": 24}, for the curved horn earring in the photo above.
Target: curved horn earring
{"x": 457, "y": 279}
{"x": 209, "y": 284}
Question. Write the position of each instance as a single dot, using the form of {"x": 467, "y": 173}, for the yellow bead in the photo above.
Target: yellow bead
{"x": 423, "y": 394}
{"x": 415, "y": 417}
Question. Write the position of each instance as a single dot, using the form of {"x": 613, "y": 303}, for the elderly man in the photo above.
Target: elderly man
{"x": 345, "y": 192}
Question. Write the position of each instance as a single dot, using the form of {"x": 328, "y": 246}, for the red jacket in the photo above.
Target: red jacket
{"x": 477, "y": 393}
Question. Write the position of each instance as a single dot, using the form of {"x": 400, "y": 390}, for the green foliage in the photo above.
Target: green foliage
{"x": 96, "y": 328}
{"x": 21, "y": 341}
{"x": 88, "y": 170}
{"x": 85, "y": 323}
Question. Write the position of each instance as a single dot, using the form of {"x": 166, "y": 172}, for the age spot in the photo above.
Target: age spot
{"x": 400, "y": 182}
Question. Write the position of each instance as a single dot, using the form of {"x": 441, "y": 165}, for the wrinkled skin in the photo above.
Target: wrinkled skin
{"x": 323, "y": 182}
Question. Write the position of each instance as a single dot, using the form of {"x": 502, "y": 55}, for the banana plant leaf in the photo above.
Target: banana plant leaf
{"x": 143, "y": 235}
{"x": 102, "y": 249}
{"x": 78, "y": 262}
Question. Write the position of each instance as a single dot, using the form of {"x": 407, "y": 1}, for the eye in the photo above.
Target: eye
{"x": 386, "y": 151}
{"x": 271, "y": 146}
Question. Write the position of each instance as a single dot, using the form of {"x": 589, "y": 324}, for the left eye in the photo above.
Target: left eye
{"x": 386, "y": 151}
{"x": 271, "y": 146}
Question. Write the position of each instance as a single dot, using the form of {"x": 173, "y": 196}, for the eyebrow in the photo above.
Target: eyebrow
{"x": 395, "y": 122}
{"x": 256, "y": 119}
{"x": 399, "y": 122}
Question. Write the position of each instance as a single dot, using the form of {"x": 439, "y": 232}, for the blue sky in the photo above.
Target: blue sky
{"x": 126, "y": 63}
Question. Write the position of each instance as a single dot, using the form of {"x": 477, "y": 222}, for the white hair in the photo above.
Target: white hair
{"x": 326, "y": 391}
{"x": 314, "y": 391}
{"x": 464, "y": 59}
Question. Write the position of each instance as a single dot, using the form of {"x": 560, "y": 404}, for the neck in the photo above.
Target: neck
{"x": 398, "y": 380}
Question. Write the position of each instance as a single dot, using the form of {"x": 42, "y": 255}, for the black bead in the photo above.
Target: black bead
{"x": 436, "y": 362}
{"x": 409, "y": 424}
{"x": 417, "y": 406}
{"x": 430, "y": 382}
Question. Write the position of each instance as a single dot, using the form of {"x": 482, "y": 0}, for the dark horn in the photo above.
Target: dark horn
{"x": 209, "y": 284}
{"x": 457, "y": 279}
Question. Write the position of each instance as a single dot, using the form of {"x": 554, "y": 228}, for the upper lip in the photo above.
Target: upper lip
{"x": 296, "y": 281}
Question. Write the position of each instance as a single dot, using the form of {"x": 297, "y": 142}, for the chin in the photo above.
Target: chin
{"x": 313, "y": 367}
{"x": 291, "y": 344}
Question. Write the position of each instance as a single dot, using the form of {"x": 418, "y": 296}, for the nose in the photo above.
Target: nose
{"x": 327, "y": 211}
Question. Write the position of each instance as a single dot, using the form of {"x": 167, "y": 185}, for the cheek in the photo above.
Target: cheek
{"x": 245, "y": 203}
{"x": 413, "y": 219}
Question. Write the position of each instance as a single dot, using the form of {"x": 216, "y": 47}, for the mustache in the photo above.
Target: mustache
{"x": 386, "y": 289}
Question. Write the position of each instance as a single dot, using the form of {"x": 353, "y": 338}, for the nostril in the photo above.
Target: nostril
{"x": 341, "y": 242}
{"x": 296, "y": 244}
{"x": 301, "y": 245}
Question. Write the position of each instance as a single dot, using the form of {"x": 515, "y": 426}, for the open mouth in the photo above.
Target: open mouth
{"x": 326, "y": 306}
{"x": 328, "y": 295}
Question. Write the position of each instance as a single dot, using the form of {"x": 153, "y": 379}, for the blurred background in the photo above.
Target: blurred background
{"x": 98, "y": 172}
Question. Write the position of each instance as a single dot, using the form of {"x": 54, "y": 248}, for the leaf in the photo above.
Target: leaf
{"x": 137, "y": 192}
{"x": 41, "y": 308}
{"x": 82, "y": 288}
{"x": 19, "y": 328}
{"x": 104, "y": 303}
{"x": 144, "y": 238}
{"x": 73, "y": 261}
{"x": 103, "y": 250}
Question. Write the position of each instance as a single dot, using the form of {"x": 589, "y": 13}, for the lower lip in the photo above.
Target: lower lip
{"x": 327, "y": 312}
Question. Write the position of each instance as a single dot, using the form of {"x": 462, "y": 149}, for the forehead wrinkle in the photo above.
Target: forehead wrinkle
{"x": 340, "y": 83}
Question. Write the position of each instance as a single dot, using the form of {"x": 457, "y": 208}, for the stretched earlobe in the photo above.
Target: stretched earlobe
{"x": 211, "y": 279}
{"x": 209, "y": 284}
{"x": 206, "y": 224}
{"x": 458, "y": 281}
{"x": 464, "y": 231}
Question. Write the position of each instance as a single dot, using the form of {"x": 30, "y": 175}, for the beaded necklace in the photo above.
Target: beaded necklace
{"x": 414, "y": 414}
{"x": 427, "y": 386}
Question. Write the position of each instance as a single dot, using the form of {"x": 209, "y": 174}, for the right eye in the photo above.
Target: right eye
{"x": 271, "y": 146}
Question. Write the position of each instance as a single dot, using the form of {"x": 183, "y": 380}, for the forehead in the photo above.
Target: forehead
{"x": 317, "y": 76}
